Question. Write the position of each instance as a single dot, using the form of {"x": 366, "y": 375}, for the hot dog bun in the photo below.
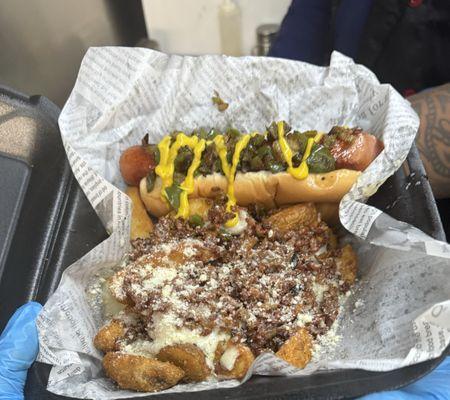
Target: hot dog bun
{"x": 265, "y": 188}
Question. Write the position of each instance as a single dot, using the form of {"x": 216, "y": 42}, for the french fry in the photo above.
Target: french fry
{"x": 107, "y": 337}
{"x": 179, "y": 254}
{"x": 290, "y": 218}
{"x": 141, "y": 224}
{"x": 329, "y": 212}
{"x": 141, "y": 373}
{"x": 347, "y": 264}
{"x": 234, "y": 361}
{"x": 297, "y": 349}
{"x": 189, "y": 358}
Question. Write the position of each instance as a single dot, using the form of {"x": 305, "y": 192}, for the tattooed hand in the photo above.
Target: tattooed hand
{"x": 433, "y": 138}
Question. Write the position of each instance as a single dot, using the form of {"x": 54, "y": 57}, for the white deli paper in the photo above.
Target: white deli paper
{"x": 399, "y": 312}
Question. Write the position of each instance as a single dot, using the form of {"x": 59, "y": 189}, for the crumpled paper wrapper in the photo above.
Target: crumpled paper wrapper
{"x": 399, "y": 312}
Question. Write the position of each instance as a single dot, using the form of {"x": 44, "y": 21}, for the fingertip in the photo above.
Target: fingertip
{"x": 33, "y": 306}
{"x": 28, "y": 310}
{"x": 19, "y": 344}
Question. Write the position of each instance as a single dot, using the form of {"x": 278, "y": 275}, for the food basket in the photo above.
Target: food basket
{"x": 46, "y": 223}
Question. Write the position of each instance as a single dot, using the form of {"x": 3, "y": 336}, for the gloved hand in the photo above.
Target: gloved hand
{"x": 436, "y": 386}
{"x": 19, "y": 346}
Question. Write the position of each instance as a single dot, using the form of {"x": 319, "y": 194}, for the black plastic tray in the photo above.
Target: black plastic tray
{"x": 54, "y": 225}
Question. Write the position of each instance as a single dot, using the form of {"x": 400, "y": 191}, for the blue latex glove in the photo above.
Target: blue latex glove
{"x": 19, "y": 346}
{"x": 435, "y": 385}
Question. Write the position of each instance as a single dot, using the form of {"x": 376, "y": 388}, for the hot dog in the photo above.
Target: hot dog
{"x": 278, "y": 167}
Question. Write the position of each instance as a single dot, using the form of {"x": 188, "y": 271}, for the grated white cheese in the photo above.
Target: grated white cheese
{"x": 319, "y": 290}
{"x": 127, "y": 318}
{"x": 303, "y": 319}
{"x": 166, "y": 291}
{"x": 325, "y": 344}
{"x": 190, "y": 251}
{"x": 116, "y": 286}
{"x": 159, "y": 276}
{"x": 213, "y": 283}
{"x": 166, "y": 247}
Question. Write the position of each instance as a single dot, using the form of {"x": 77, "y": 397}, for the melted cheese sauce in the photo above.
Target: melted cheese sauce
{"x": 166, "y": 333}
{"x": 168, "y": 154}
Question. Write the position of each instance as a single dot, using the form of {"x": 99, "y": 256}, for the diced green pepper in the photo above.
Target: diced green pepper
{"x": 329, "y": 140}
{"x": 246, "y": 155}
{"x": 278, "y": 154}
{"x": 256, "y": 164}
{"x": 178, "y": 177}
{"x": 183, "y": 159}
{"x": 276, "y": 167}
{"x": 343, "y": 133}
{"x": 221, "y": 105}
{"x": 257, "y": 140}
{"x": 320, "y": 160}
{"x": 173, "y": 196}
{"x": 196, "y": 220}
{"x": 297, "y": 159}
{"x": 205, "y": 134}
{"x": 272, "y": 130}
{"x": 297, "y": 142}
{"x": 310, "y": 134}
{"x": 264, "y": 150}
{"x": 153, "y": 150}
{"x": 231, "y": 138}
{"x": 151, "y": 177}
{"x": 212, "y": 134}
{"x": 233, "y": 134}
{"x": 217, "y": 166}
{"x": 202, "y": 134}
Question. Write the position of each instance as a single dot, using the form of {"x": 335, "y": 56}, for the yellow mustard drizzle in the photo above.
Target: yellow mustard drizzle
{"x": 240, "y": 145}
{"x": 162, "y": 168}
{"x": 168, "y": 154}
{"x": 221, "y": 149}
{"x": 166, "y": 167}
{"x": 187, "y": 186}
{"x": 302, "y": 171}
{"x": 318, "y": 137}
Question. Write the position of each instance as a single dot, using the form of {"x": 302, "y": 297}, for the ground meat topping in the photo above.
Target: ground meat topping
{"x": 261, "y": 286}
